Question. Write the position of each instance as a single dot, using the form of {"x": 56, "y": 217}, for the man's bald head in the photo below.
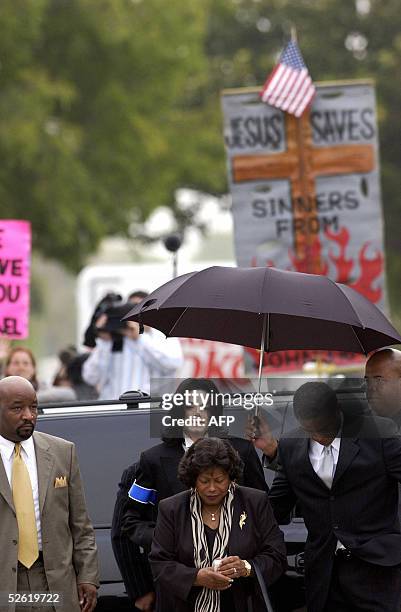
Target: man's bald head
{"x": 383, "y": 381}
{"x": 389, "y": 358}
{"x": 18, "y": 408}
{"x": 14, "y": 384}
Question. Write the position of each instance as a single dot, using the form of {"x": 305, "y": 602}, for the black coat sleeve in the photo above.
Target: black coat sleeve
{"x": 139, "y": 520}
{"x": 281, "y": 494}
{"x": 272, "y": 558}
{"x": 170, "y": 575}
{"x": 391, "y": 444}
{"x": 253, "y": 471}
{"x": 133, "y": 565}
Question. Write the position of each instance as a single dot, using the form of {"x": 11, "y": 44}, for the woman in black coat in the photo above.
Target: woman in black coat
{"x": 215, "y": 521}
{"x": 156, "y": 475}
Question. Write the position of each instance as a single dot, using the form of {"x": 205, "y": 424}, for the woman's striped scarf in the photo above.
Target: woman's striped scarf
{"x": 208, "y": 600}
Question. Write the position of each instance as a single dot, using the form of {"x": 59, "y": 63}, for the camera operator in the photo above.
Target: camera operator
{"x": 123, "y": 359}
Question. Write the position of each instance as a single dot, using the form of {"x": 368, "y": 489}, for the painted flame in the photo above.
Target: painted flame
{"x": 370, "y": 269}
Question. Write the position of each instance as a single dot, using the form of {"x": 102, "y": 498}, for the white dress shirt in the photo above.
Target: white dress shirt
{"x": 187, "y": 443}
{"x": 149, "y": 356}
{"x": 316, "y": 453}
{"x": 29, "y": 457}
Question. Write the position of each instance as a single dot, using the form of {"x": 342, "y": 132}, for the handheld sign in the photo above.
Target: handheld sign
{"x": 15, "y": 264}
{"x": 306, "y": 192}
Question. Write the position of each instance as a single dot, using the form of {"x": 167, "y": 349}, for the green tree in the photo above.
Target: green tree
{"x": 90, "y": 90}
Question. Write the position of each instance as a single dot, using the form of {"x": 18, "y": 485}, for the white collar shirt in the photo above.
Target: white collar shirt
{"x": 187, "y": 443}
{"x": 29, "y": 457}
{"x": 316, "y": 453}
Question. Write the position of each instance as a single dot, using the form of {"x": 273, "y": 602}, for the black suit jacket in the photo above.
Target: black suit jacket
{"x": 361, "y": 508}
{"x": 133, "y": 563}
{"x": 172, "y": 558}
{"x": 158, "y": 468}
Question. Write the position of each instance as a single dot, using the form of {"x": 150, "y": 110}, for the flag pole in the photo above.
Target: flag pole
{"x": 303, "y": 180}
{"x": 294, "y": 101}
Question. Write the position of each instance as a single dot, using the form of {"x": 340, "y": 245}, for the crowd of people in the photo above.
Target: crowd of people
{"x": 195, "y": 526}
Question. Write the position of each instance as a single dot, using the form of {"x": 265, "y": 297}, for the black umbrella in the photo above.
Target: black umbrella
{"x": 266, "y": 308}
{"x": 301, "y": 311}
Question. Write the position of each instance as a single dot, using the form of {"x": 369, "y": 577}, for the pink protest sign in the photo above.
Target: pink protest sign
{"x": 15, "y": 264}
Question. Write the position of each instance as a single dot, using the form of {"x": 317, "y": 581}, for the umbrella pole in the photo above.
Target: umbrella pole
{"x": 266, "y": 324}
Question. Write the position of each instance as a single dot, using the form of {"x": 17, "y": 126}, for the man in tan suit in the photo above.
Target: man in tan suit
{"x": 47, "y": 543}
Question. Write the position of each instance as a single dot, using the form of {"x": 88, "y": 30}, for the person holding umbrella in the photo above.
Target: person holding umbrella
{"x": 344, "y": 471}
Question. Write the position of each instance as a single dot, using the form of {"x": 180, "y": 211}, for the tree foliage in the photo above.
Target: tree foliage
{"x": 90, "y": 90}
{"x": 107, "y": 106}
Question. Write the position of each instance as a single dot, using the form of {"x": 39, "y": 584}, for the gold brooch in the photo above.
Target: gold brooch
{"x": 242, "y": 519}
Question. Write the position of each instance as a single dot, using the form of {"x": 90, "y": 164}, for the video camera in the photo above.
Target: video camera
{"x": 113, "y": 306}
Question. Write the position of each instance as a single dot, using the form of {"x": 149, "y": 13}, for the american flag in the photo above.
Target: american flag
{"x": 289, "y": 87}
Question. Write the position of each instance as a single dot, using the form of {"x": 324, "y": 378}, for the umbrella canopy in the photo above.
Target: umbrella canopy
{"x": 286, "y": 310}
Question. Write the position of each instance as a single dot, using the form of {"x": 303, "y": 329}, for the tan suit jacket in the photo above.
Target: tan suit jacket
{"x": 69, "y": 548}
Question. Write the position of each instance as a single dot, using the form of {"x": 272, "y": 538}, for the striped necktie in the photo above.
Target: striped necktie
{"x": 28, "y": 550}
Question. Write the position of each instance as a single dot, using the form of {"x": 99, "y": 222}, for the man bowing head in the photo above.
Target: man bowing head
{"x": 47, "y": 542}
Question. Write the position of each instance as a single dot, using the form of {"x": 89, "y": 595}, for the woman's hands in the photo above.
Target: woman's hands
{"x": 229, "y": 568}
{"x": 232, "y": 567}
{"x": 207, "y": 577}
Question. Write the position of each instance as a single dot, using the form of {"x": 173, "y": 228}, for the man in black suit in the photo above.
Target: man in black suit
{"x": 344, "y": 473}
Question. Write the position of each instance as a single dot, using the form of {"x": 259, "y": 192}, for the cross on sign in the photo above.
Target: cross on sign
{"x": 301, "y": 163}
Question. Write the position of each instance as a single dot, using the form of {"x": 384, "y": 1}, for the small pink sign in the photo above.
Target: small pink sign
{"x": 15, "y": 267}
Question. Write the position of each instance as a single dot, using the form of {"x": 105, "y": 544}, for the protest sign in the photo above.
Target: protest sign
{"x": 210, "y": 359}
{"x": 306, "y": 192}
{"x": 15, "y": 263}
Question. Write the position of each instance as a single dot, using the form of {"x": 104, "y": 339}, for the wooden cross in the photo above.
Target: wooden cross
{"x": 301, "y": 163}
